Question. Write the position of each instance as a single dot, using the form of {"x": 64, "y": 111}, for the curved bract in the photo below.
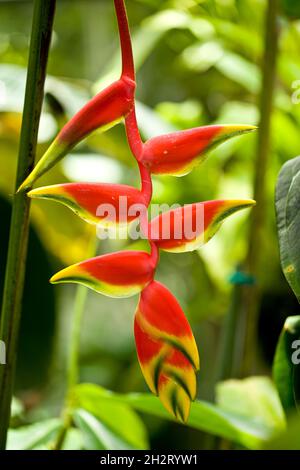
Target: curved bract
{"x": 103, "y": 111}
{"x": 120, "y": 274}
{"x": 96, "y": 203}
{"x": 191, "y": 226}
{"x": 179, "y": 152}
{"x": 166, "y": 349}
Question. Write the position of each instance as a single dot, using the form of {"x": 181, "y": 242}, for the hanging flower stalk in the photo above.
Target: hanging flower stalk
{"x": 166, "y": 347}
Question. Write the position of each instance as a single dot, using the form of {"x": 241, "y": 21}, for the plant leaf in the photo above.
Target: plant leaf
{"x": 286, "y": 373}
{"x": 288, "y": 222}
{"x": 117, "y": 417}
{"x": 73, "y": 440}
{"x": 97, "y": 436}
{"x": 204, "y": 416}
{"x": 33, "y": 435}
{"x": 289, "y": 440}
{"x": 255, "y": 398}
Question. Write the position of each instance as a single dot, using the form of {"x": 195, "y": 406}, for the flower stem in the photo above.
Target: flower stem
{"x": 17, "y": 250}
{"x": 125, "y": 40}
{"x": 133, "y": 135}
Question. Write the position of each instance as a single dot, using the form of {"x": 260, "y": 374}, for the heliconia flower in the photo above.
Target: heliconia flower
{"x": 120, "y": 274}
{"x": 191, "y": 226}
{"x": 166, "y": 349}
{"x": 101, "y": 203}
{"x": 103, "y": 111}
{"x": 179, "y": 152}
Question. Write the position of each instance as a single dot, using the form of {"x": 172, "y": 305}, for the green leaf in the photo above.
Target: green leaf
{"x": 204, "y": 416}
{"x": 73, "y": 440}
{"x": 97, "y": 436}
{"x": 286, "y": 371}
{"x": 289, "y": 440}
{"x": 33, "y": 435}
{"x": 288, "y": 222}
{"x": 255, "y": 398}
{"x": 116, "y": 416}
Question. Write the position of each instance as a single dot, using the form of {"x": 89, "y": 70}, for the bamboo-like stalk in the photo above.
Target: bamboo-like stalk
{"x": 17, "y": 251}
{"x": 252, "y": 295}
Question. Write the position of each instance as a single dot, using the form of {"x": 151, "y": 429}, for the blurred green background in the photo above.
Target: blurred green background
{"x": 199, "y": 62}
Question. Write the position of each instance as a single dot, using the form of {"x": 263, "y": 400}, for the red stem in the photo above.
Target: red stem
{"x": 133, "y": 135}
{"x": 125, "y": 40}
{"x": 154, "y": 253}
{"x": 132, "y": 130}
{"x": 146, "y": 183}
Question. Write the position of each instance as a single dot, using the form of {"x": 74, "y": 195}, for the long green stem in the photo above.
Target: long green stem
{"x": 17, "y": 251}
{"x": 258, "y": 220}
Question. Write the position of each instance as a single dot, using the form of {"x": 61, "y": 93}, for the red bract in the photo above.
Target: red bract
{"x": 191, "y": 226}
{"x": 121, "y": 274}
{"x": 166, "y": 349}
{"x": 103, "y": 111}
{"x": 104, "y": 204}
{"x": 178, "y": 153}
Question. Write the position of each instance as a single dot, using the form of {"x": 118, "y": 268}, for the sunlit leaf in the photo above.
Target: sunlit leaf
{"x": 204, "y": 416}
{"x": 117, "y": 417}
{"x": 255, "y": 398}
{"x": 73, "y": 440}
{"x": 33, "y": 435}
{"x": 96, "y": 436}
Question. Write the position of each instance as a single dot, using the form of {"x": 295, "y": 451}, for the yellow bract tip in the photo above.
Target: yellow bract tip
{"x": 232, "y": 130}
{"x": 45, "y": 192}
{"x": 68, "y": 274}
